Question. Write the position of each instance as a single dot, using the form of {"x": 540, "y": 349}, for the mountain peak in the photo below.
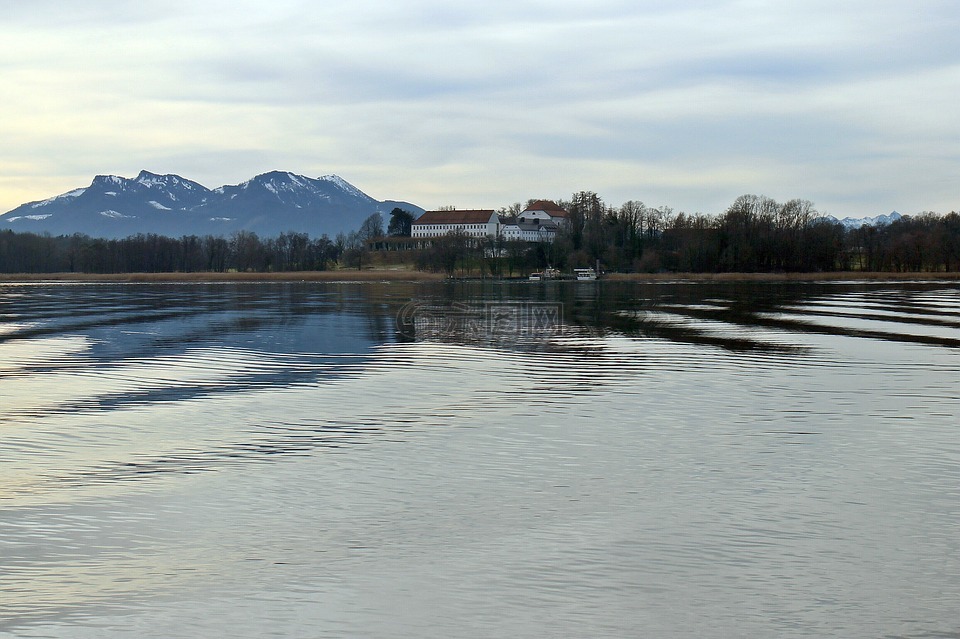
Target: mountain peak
{"x": 148, "y": 179}
{"x": 343, "y": 185}
{"x": 108, "y": 180}
{"x": 154, "y": 180}
{"x": 272, "y": 175}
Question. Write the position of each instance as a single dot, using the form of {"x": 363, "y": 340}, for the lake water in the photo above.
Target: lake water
{"x": 506, "y": 460}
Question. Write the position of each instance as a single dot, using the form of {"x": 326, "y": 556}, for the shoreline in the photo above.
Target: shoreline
{"x": 421, "y": 276}
{"x": 211, "y": 277}
{"x": 836, "y": 276}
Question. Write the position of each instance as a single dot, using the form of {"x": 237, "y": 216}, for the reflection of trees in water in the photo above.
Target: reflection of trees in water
{"x": 195, "y": 313}
{"x": 141, "y": 320}
{"x": 718, "y": 314}
{"x": 651, "y": 310}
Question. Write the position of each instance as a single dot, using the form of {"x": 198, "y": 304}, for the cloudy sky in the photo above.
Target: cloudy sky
{"x": 853, "y": 104}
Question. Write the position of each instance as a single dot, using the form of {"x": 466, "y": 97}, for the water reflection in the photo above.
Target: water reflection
{"x": 73, "y": 350}
{"x": 736, "y": 316}
{"x": 648, "y": 459}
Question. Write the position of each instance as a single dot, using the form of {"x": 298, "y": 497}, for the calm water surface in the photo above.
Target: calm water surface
{"x": 522, "y": 460}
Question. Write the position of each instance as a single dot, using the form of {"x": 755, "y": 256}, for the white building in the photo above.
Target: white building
{"x": 544, "y": 211}
{"x": 539, "y": 222}
{"x": 471, "y": 223}
{"x": 535, "y": 231}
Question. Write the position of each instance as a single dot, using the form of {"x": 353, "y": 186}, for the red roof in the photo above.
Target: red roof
{"x": 547, "y": 206}
{"x": 454, "y": 217}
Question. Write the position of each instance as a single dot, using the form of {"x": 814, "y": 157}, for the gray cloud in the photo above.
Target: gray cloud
{"x": 688, "y": 103}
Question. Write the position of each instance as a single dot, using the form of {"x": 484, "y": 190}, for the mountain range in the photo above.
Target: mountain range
{"x": 269, "y": 204}
{"x": 855, "y": 223}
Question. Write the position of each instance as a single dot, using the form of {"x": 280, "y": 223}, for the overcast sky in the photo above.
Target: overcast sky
{"x": 853, "y": 104}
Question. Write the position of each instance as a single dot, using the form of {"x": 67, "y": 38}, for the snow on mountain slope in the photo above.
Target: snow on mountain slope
{"x": 855, "y": 223}
{"x": 268, "y": 204}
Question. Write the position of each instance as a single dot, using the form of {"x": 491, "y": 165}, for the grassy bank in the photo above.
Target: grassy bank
{"x": 299, "y": 276}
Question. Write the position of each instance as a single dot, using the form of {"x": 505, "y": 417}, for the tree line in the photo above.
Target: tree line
{"x": 754, "y": 234}
{"x": 150, "y": 253}
{"x": 243, "y": 251}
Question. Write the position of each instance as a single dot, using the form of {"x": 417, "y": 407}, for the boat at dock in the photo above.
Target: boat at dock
{"x": 585, "y": 274}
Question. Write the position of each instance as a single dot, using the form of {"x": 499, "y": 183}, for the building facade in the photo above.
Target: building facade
{"x": 476, "y": 224}
{"x": 539, "y": 222}
{"x": 544, "y": 211}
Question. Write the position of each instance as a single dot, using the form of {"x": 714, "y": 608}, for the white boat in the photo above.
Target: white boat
{"x": 585, "y": 274}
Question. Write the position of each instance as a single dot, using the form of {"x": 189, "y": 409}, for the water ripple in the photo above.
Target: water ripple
{"x": 715, "y": 460}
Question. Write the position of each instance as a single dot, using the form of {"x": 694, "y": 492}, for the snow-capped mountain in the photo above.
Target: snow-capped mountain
{"x": 269, "y": 204}
{"x": 879, "y": 220}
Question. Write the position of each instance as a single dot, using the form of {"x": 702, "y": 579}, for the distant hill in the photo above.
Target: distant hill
{"x": 269, "y": 204}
